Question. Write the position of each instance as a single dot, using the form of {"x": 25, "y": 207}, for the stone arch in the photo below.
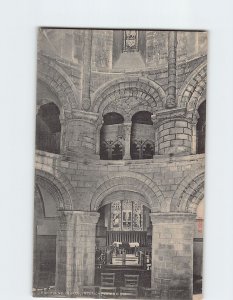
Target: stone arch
{"x": 37, "y": 191}
{"x": 128, "y": 181}
{"x": 58, "y": 82}
{"x": 45, "y": 95}
{"x": 189, "y": 193}
{"x": 128, "y": 95}
{"x": 193, "y": 88}
{"x": 58, "y": 185}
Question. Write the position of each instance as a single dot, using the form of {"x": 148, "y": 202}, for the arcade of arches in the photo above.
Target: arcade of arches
{"x": 119, "y": 181}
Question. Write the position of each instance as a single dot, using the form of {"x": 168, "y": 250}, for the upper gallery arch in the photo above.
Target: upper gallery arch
{"x": 193, "y": 88}
{"x": 128, "y": 95}
{"x": 58, "y": 82}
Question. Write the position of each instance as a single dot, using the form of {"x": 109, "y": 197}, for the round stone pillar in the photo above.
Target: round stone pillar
{"x": 75, "y": 251}
{"x": 81, "y": 130}
{"x": 175, "y": 136}
{"x": 172, "y": 255}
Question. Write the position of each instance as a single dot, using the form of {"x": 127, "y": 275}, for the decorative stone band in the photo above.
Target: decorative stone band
{"x": 80, "y": 217}
{"x": 164, "y": 115}
{"x": 82, "y": 115}
{"x": 172, "y": 217}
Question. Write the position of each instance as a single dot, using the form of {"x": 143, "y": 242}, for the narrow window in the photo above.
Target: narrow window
{"x": 142, "y": 136}
{"x": 201, "y": 125}
{"x": 48, "y": 128}
{"x": 111, "y": 140}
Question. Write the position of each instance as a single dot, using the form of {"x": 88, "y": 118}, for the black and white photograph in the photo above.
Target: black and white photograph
{"x": 120, "y": 163}
{"x": 116, "y": 149}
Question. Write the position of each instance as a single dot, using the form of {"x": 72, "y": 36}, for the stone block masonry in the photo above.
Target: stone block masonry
{"x": 75, "y": 259}
{"x": 174, "y": 136}
{"x": 172, "y": 255}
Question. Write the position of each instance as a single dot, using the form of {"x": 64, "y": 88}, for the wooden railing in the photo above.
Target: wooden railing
{"x": 127, "y": 236}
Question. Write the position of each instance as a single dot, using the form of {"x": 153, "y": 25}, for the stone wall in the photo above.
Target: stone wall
{"x": 167, "y": 173}
{"x": 107, "y": 46}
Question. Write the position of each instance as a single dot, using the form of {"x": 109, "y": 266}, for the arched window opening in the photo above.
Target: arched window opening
{"x": 142, "y": 136}
{"x": 48, "y": 128}
{"x": 142, "y": 117}
{"x": 111, "y": 137}
{"x": 201, "y": 127}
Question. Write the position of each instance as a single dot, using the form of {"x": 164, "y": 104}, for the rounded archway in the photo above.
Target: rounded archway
{"x": 128, "y": 181}
{"x": 53, "y": 193}
{"x": 125, "y": 216}
{"x": 50, "y": 197}
{"x": 189, "y": 193}
{"x": 124, "y": 229}
{"x": 58, "y": 82}
{"x": 193, "y": 88}
{"x": 127, "y": 96}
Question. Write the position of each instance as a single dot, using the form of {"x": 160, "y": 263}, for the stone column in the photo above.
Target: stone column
{"x": 154, "y": 121}
{"x": 194, "y": 139}
{"x": 172, "y": 254}
{"x": 194, "y": 133}
{"x": 87, "y": 51}
{"x": 75, "y": 250}
{"x": 63, "y": 135}
{"x": 127, "y": 136}
{"x": 81, "y": 133}
{"x": 174, "y": 129}
{"x": 172, "y": 44}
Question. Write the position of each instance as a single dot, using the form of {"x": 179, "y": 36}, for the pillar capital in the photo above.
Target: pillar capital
{"x": 127, "y": 127}
{"x": 172, "y": 218}
{"x": 83, "y": 116}
{"x": 83, "y": 217}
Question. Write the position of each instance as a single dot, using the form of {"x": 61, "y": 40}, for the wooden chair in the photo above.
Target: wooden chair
{"x": 107, "y": 288}
{"x": 131, "y": 280}
{"x": 107, "y": 279}
{"x": 131, "y": 287}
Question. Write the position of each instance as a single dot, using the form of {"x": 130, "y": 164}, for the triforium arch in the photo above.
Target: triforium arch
{"x": 46, "y": 95}
{"x": 58, "y": 82}
{"x": 58, "y": 185}
{"x": 128, "y": 181}
{"x": 189, "y": 193}
{"x": 127, "y": 96}
{"x": 193, "y": 88}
